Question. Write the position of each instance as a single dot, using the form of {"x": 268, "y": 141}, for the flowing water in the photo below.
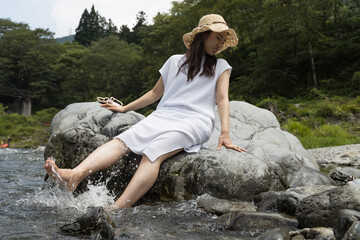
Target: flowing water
{"x": 32, "y": 209}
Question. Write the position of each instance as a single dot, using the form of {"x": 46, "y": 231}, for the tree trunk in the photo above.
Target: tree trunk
{"x": 312, "y": 65}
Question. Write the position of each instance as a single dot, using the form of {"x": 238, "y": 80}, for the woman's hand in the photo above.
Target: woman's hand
{"x": 224, "y": 140}
{"x": 113, "y": 106}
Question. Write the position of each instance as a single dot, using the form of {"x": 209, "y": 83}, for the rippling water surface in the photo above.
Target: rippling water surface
{"x": 31, "y": 209}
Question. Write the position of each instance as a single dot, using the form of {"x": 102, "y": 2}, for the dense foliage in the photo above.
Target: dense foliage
{"x": 287, "y": 49}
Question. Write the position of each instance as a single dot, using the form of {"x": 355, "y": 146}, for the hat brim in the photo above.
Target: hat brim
{"x": 231, "y": 39}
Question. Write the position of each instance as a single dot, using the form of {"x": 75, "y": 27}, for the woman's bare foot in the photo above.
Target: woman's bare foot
{"x": 65, "y": 177}
{"x": 111, "y": 207}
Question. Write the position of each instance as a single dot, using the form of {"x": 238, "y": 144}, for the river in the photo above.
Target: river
{"x": 33, "y": 209}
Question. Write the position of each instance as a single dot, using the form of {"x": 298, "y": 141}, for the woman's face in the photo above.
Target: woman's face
{"x": 214, "y": 42}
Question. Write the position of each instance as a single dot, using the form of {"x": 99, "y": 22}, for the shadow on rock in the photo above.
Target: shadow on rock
{"x": 347, "y": 225}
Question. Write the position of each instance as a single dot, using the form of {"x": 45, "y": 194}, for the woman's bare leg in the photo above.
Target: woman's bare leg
{"x": 143, "y": 179}
{"x": 102, "y": 158}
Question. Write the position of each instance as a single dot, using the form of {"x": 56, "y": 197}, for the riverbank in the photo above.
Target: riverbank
{"x": 329, "y": 158}
{"x": 342, "y": 155}
{"x": 320, "y": 120}
{"x": 26, "y": 131}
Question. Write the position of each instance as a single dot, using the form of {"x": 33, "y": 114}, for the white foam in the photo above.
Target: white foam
{"x": 55, "y": 196}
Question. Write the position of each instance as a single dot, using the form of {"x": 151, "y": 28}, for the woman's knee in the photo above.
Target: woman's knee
{"x": 119, "y": 144}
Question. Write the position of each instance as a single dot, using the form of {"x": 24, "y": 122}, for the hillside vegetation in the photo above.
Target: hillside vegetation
{"x": 302, "y": 55}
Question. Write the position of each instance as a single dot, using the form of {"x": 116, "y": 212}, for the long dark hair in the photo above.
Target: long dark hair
{"x": 194, "y": 56}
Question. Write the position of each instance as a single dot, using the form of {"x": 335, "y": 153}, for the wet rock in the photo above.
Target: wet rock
{"x": 220, "y": 206}
{"x": 275, "y": 234}
{"x": 275, "y": 159}
{"x": 298, "y": 237}
{"x": 319, "y": 233}
{"x": 322, "y": 209}
{"x": 257, "y": 223}
{"x": 170, "y": 221}
{"x": 267, "y": 202}
{"x": 96, "y": 221}
{"x": 344, "y": 175}
{"x": 354, "y": 232}
{"x": 347, "y": 224}
{"x": 288, "y": 200}
{"x": 105, "y": 232}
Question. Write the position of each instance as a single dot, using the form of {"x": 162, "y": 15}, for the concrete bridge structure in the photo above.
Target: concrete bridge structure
{"x": 16, "y": 102}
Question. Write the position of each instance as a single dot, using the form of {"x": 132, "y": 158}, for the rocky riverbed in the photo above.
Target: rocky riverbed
{"x": 274, "y": 191}
{"x": 346, "y": 155}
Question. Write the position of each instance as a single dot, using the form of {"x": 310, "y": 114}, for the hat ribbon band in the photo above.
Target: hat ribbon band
{"x": 212, "y": 23}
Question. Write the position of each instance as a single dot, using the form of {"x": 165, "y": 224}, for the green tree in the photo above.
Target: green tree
{"x": 288, "y": 47}
{"x": 141, "y": 21}
{"x": 125, "y": 33}
{"x": 92, "y": 27}
{"x": 83, "y": 31}
{"x": 134, "y": 36}
{"x": 8, "y": 25}
{"x": 109, "y": 67}
{"x": 113, "y": 66}
{"x": 70, "y": 68}
{"x": 28, "y": 56}
{"x": 109, "y": 29}
{"x": 353, "y": 6}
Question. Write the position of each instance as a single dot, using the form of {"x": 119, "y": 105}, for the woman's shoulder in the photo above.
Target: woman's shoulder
{"x": 175, "y": 59}
{"x": 222, "y": 63}
{"x": 177, "y": 56}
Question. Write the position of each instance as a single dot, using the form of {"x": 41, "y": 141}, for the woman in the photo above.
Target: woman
{"x": 189, "y": 85}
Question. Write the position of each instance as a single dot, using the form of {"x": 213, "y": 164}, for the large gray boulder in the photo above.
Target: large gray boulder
{"x": 275, "y": 159}
{"x": 322, "y": 209}
{"x": 287, "y": 201}
{"x": 81, "y": 128}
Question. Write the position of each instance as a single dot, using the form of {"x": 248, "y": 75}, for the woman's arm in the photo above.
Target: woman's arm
{"x": 148, "y": 98}
{"x": 222, "y": 100}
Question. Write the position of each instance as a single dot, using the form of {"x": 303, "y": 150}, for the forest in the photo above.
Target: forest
{"x": 288, "y": 51}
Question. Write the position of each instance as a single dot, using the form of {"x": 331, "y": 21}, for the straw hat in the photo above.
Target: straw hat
{"x": 215, "y": 23}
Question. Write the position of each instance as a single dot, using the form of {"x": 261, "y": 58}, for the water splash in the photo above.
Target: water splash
{"x": 54, "y": 196}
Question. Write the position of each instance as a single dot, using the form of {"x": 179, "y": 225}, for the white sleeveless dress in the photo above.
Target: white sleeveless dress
{"x": 185, "y": 116}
